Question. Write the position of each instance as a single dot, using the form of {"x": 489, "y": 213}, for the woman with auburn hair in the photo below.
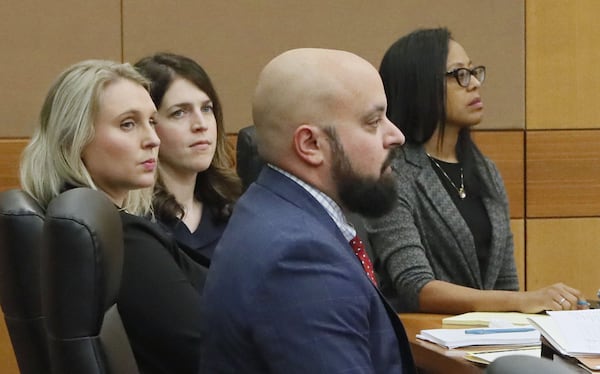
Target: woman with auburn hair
{"x": 96, "y": 130}
{"x": 196, "y": 185}
{"x": 447, "y": 246}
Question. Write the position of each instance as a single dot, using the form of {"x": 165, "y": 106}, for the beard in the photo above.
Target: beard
{"x": 365, "y": 195}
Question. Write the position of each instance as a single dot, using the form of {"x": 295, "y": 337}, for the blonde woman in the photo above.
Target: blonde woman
{"x": 96, "y": 130}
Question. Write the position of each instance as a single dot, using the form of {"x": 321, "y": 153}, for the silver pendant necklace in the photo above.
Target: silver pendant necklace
{"x": 461, "y": 191}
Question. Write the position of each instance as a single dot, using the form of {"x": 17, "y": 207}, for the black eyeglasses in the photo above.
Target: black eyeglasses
{"x": 463, "y": 75}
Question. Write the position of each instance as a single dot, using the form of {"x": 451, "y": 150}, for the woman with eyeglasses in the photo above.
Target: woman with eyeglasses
{"x": 447, "y": 246}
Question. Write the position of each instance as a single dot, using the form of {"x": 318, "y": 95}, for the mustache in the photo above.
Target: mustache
{"x": 392, "y": 154}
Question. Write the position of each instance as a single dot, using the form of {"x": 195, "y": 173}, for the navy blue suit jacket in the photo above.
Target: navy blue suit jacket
{"x": 285, "y": 293}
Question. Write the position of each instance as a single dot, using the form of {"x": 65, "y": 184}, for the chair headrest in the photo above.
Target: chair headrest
{"x": 19, "y": 202}
{"x": 82, "y": 261}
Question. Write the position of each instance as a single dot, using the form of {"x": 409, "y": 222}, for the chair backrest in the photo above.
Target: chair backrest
{"x": 21, "y": 224}
{"x": 248, "y": 162}
{"x": 82, "y": 260}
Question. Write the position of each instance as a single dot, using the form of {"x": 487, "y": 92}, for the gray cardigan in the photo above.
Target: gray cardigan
{"x": 425, "y": 237}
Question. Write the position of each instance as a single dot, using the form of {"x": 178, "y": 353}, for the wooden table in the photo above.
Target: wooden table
{"x": 431, "y": 358}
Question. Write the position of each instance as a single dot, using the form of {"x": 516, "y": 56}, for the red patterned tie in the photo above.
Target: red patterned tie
{"x": 359, "y": 250}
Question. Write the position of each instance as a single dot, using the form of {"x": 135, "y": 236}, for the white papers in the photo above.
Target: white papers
{"x": 581, "y": 329}
{"x": 454, "y": 338}
{"x": 549, "y": 329}
{"x": 572, "y": 332}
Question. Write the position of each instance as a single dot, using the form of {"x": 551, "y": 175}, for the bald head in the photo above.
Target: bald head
{"x": 303, "y": 86}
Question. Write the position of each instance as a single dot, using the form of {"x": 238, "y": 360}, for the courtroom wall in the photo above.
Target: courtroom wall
{"x": 233, "y": 40}
{"x": 541, "y": 124}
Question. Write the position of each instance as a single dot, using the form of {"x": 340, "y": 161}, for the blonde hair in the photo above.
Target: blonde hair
{"x": 52, "y": 162}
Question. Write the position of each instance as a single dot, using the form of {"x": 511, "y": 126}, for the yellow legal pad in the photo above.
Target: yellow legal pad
{"x": 484, "y": 318}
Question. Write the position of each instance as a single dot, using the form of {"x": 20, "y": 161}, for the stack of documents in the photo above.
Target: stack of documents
{"x": 574, "y": 333}
{"x": 454, "y": 338}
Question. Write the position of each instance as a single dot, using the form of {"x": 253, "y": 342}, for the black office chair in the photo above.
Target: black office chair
{"x": 21, "y": 224}
{"x": 82, "y": 261}
{"x": 248, "y": 163}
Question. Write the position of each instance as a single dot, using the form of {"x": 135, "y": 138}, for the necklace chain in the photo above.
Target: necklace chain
{"x": 461, "y": 191}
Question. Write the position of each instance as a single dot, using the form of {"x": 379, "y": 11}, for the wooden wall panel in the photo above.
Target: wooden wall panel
{"x": 8, "y": 362}
{"x": 233, "y": 40}
{"x": 506, "y": 149}
{"x": 563, "y": 173}
{"x": 564, "y": 250}
{"x": 10, "y": 156}
{"x": 562, "y": 64}
{"x": 39, "y": 39}
{"x": 517, "y": 227}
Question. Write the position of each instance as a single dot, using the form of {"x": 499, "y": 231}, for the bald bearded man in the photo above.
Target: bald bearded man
{"x": 285, "y": 292}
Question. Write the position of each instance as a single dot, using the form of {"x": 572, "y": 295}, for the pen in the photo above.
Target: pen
{"x": 499, "y": 331}
{"x": 583, "y": 304}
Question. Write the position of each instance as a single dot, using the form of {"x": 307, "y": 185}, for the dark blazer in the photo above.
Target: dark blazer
{"x": 285, "y": 293}
{"x": 425, "y": 237}
{"x": 248, "y": 162}
{"x": 159, "y": 300}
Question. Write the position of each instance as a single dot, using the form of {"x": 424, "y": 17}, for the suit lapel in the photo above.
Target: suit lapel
{"x": 296, "y": 195}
